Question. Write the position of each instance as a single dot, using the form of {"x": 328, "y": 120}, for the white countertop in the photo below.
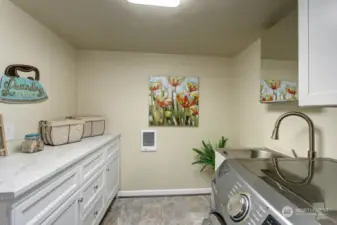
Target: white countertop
{"x": 21, "y": 171}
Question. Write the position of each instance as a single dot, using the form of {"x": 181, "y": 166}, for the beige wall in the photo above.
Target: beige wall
{"x": 25, "y": 41}
{"x": 256, "y": 120}
{"x": 115, "y": 84}
{"x": 247, "y": 114}
{"x": 281, "y": 41}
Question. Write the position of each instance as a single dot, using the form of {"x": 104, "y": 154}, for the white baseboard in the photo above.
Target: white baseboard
{"x": 165, "y": 192}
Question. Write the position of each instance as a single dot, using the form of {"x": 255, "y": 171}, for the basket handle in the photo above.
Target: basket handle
{"x": 12, "y": 71}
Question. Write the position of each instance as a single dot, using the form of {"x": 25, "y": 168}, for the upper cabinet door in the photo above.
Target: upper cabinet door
{"x": 317, "y": 52}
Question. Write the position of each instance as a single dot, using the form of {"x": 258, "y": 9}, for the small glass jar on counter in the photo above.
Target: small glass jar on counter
{"x": 32, "y": 143}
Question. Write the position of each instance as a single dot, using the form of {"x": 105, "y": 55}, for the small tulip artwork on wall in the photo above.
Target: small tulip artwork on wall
{"x": 173, "y": 101}
{"x": 278, "y": 91}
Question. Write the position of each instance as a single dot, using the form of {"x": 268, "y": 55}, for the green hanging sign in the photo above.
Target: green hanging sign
{"x": 16, "y": 89}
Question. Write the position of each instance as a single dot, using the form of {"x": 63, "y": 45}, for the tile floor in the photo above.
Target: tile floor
{"x": 180, "y": 210}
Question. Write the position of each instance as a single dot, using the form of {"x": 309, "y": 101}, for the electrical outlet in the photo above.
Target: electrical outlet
{"x": 9, "y": 132}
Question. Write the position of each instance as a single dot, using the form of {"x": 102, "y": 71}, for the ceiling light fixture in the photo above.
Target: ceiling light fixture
{"x": 163, "y": 3}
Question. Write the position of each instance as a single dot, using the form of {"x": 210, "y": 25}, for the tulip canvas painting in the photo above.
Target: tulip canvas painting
{"x": 278, "y": 91}
{"x": 173, "y": 101}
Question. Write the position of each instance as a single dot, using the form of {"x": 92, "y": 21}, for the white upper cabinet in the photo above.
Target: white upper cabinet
{"x": 317, "y": 52}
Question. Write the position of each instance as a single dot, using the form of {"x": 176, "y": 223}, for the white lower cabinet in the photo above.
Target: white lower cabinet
{"x": 36, "y": 208}
{"x": 67, "y": 214}
{"x": 94, "y": 214}
{"x": 90, "y": 165}
{"x": 80, "y": 195}
{"x": 90, "y": 191}
{"x": 112, "y": 173}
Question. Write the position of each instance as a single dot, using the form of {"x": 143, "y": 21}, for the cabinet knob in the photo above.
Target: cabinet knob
{"x": 95, "y": 213}
{"x": 80, "y": 200}
{"x": 108, "y": 169}
{"x": 96, "y": 187}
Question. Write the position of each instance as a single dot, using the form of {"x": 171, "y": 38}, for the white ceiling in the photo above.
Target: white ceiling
{"x": 209, "y": 27}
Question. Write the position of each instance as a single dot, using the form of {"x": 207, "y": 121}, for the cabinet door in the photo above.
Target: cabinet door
{"x": 95, "y": 213}
{"x": 317, "y": 52}
{"x": 90, "y": 191}
{"x": 38, "y": 207}
{"x": 68, "y": 213}
{"x": 112, "y": 178}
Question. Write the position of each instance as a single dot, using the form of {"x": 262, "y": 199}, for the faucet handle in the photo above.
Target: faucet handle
{"x": 294, "y": 153}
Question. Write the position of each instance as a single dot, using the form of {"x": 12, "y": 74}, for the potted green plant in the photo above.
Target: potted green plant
{"x": 206, "y": 155}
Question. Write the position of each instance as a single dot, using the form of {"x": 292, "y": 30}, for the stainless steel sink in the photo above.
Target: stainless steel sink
{"x": 251, "y": 153}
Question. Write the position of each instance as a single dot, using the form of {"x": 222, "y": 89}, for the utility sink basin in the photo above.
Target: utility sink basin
{"x": 251, "y": 153}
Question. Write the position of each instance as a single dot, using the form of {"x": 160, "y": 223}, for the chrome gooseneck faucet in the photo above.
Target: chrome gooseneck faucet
{"x": 275, "y": 135}
{"x": 311, "y": 152}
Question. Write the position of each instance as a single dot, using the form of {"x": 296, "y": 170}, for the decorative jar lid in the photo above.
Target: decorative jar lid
{"x": 32, "y": 136}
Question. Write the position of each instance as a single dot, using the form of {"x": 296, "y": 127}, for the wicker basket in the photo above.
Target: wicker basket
{"x": 62, "y": 131}
{"x": 94, "y": 125}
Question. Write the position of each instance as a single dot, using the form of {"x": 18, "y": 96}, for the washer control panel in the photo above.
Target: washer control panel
{"x": 238, "y": 207}
{"x": 243, "y": 206}
{"x": 270, "y": 220}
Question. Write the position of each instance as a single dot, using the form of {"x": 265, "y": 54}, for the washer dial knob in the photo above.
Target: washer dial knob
{"x": 238, "y": 207}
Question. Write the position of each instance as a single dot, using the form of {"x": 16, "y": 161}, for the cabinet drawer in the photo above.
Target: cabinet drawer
{"x": 112, "y": 148}
{"x": 66, "y": 213}
{"x": 45, "y": 201}
{"x": 93, "y": 216}
{"x": 91, "y": 165}
{"x": 90, "y": 190}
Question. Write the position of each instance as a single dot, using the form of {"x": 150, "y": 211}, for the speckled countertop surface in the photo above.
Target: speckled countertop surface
{"x": 21, "y": 172}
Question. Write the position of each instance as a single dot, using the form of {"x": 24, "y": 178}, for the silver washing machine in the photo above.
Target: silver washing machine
{"x": 214, "y": 219}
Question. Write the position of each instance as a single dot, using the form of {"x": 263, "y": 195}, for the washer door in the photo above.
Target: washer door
{"x": 216, "y": 219}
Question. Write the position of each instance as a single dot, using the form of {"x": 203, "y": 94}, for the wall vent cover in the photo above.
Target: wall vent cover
{"x": 148, "y": 140}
